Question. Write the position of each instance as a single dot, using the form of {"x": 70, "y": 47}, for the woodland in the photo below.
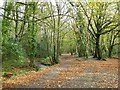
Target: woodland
{"x": 39, "y": 34}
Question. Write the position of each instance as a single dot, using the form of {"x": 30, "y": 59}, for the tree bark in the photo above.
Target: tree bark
{"x": 110, "y": 51}
{"x": 58, "y": 32}
{"x": 97, "y": 48}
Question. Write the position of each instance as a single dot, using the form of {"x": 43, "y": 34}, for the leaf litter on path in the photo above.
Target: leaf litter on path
{"x": 89, "y": 73}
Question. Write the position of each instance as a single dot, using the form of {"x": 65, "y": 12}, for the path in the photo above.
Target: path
{"x": 73, "y": 73}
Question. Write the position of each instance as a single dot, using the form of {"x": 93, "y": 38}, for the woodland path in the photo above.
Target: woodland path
{"x": 74, "y": 73}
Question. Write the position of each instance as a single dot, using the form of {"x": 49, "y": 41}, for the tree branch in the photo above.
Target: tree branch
{"x": 109, "y": 30}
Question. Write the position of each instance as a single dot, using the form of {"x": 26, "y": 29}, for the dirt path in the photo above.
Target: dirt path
{"x": 75, "y": 73}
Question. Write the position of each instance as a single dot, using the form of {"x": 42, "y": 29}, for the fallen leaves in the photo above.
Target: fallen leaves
{"x": 69, "y": 68}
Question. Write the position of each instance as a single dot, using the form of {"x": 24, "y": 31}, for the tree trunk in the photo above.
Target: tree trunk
{"x": 71, "y": 51}
{"x": 54, "y": 44}
{"x": 31, "y": 61}
{"x": 78, "y": 50}
{"x": 58, "y": 33}
{"x": 95, "y": 54}
{"x": 110, "y": 51}
{"x": 58, "y": 46}
{"x": 47, "y": 42}
{"x": 97, "y": 48}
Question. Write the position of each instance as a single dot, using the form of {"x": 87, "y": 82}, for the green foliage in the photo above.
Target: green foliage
{"x": 4, "y": 73}
{"x": 41, "y": 50}
{"x": 21, "y": 73}
{"x": 13, "y": 55}
{"x": 46, "y": 61}
{"x": 0, "y": 24}
{"x": 17, "y": 74}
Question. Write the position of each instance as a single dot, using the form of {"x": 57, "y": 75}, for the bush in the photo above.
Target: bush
{"x": 13, "y": 55}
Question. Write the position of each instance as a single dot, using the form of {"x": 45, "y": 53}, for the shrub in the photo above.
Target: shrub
{"x": 13, "y": 55}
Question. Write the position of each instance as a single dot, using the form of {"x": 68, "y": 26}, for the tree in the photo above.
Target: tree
{"x": 99, "y": 21}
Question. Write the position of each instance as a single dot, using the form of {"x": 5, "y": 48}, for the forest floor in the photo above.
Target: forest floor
{"x": 70, "y": 73}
